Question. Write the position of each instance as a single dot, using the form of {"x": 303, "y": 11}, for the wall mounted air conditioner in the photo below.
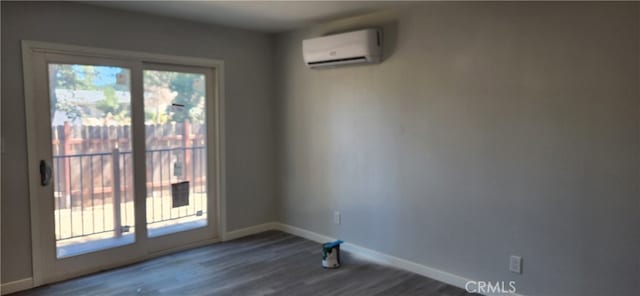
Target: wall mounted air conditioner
{"x": 363, "y": 46}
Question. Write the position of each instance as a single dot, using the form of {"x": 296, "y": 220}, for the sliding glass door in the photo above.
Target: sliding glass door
{"x": 124, "y": 154}
{"x": 91, "y": 141}
{"x": 176, "y": 141}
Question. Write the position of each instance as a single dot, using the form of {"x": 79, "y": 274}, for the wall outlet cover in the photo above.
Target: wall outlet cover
{"x": 515, "y": 264}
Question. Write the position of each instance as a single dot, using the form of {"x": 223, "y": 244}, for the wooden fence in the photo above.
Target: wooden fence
{"x": 84, "y": 161}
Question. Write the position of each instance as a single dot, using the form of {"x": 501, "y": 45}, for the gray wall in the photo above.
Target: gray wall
{"x": 490, "y": 129}
{"x": 249, "y": 89}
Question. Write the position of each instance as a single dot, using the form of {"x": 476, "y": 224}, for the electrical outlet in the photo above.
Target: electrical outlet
{"x": 336, "y": 217}
{"x": 515, "y": 264}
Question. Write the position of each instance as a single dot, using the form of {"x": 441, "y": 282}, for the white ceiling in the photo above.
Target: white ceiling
{"x": 266, "y": 16}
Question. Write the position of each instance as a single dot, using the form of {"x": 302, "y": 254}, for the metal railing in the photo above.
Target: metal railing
{"x": 94, "y": 191}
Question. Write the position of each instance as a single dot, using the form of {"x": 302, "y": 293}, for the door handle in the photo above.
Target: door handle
{"x": 45, "y": 173}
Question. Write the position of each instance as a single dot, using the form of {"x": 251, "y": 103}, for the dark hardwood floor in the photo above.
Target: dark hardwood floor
{"x": 270, "y": 263}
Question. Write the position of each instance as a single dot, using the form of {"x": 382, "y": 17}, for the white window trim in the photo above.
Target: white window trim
{"x": 29, "y": 47}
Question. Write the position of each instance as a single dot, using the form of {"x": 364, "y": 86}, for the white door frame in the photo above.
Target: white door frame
{"x": 29, "y": 48}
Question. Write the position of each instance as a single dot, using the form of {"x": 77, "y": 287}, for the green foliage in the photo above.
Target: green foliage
{"x": 190, "y": 90}
{"x": 110, "y": 103}
{"x": 186, "y": 89}
{"x": 63, "y": 77}
{"x": 169, "y": 96}
{"x": 155, "y": 117}
{"x": 88, "y": 75}
{"x": 73, "y": 111}
{"x": 74, "y": 78}
{"x": 110, "y": 107}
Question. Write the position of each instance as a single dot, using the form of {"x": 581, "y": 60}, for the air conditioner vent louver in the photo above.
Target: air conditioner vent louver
{"x": 355, "y": 47}
{"x": 334, "y": 61}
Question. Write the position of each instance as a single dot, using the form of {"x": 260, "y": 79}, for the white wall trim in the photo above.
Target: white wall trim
{"x": 29, "y": 48}
{"x": 16, "y": 286}
{"x": 374, "y": 256}
{"x": 354, "y": 250}
{"x": 310, "y": 235}
{"x": 359, "y": 252}
{"x": 238, "y": 233}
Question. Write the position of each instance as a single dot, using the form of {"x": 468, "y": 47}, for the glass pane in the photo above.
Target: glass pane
{"x": 92, "y": 160}
{"x": 174, "y": 107}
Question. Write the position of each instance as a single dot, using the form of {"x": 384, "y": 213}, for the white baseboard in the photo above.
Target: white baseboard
{"x": 354, "y": 250}
{"x": 310, "y": 235}
{"x": 249, "y": 231}
{"x": 374, "y": 256}
{"x": 370, "y": 255}
{"x": 16, "y": 286}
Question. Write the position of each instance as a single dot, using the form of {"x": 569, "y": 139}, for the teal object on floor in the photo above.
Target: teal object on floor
{"x": 331, "y": 254}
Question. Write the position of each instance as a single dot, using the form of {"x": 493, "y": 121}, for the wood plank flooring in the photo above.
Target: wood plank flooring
{"x": 269, "y": 263}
